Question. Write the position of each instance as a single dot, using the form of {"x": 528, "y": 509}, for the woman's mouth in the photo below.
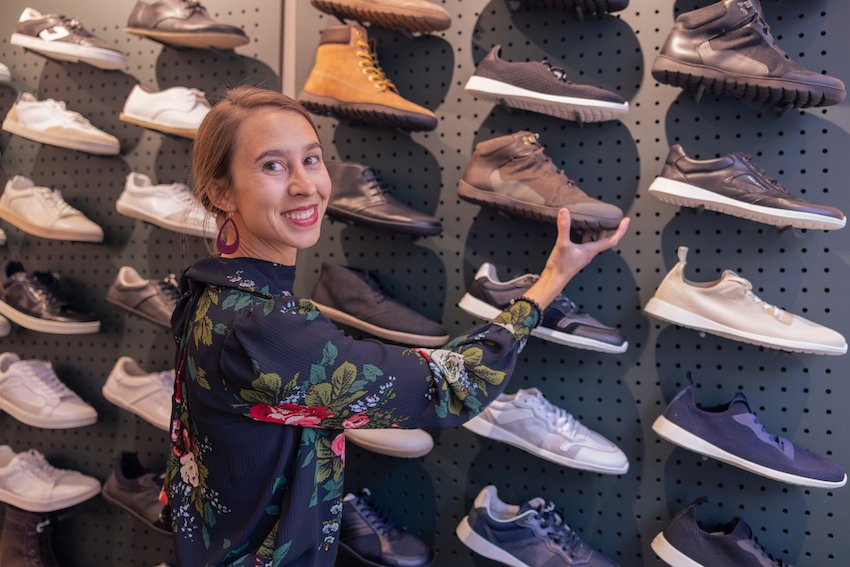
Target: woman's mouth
{"x": 303, "y": 216}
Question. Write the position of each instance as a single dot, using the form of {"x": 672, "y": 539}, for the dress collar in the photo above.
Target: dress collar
{"x": 249, "y": 274}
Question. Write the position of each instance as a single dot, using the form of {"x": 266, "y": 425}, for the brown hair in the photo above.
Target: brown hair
{"x": 212, "y": 151}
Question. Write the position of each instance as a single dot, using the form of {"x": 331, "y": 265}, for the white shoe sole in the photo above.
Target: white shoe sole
{"x": 491, "y": 431}
{"x": 142, "y": 214}
{"x": 145, "y": 123}
{"x": 482, "y": 547}
{"x": 94, "y": 56}
{"x": 44, "y": 422}
{"x": 484, "y": 310}
{"x": 686, "y": 195}
{"x": 568, "y": 108}
{"x": 45, "y": 232}
{"x": 386, "y": 449}
{"x": 670, "y": 555}
{"x": 396, "y": 336}
{"x": 117, "y": 400}
{"x": 682, "y": 317}
{"x": 44, "y": 326}
{"x": 50, "y": 506}
{"x": 677, "y": 435}
{"x": 104, "y": 148}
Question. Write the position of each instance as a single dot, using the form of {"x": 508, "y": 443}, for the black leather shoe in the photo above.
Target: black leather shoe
{"x": 154, "y": 301}
{"x": 368, "y": 537}
{"x": 183, "y": 23}
{"x": 131, "y": 487}
{"x": 32, "y": 300}
{"x": 354, "y": 298}
{"x": 359, "y": 196}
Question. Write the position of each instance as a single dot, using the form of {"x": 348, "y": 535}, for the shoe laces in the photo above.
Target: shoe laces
{"x": 55, "y": 200}
{"x": 195, "y": 7}
{"x": 369, "y": 63}
{"x": 561, "y": 419}
{"x": 169, "y": 288}
{"x": 773, "y": 560}
{"x": 557, "y": 530}
{"x": 43, "y": 284}
{"x": 38, "y": 465}
{"x": 559, "y": 72}
{"x": 68, "y": 116}
{"x": 374, "y": 184}
{"x": 376, "y": 517}
{"x": 183, "y": 194}
{"x": 42, "y": 378}
{"x": 198, "y": 97}
{"x": 166, "y": 378}
{"x": 748, "y": 291}
{"x": 762, "y": 173}
{"x": 765, "y": 31}
{"x": 543, "y": 162}
{"x": 75, "y": 25}
{"x": 378, "y": 292}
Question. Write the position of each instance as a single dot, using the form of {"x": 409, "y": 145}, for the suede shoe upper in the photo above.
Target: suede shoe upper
{"x": 131, "y": 487}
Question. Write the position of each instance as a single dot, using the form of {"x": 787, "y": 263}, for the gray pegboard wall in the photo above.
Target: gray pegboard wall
{"x": 797, "y": 396}
{"x": 96, "y": 534}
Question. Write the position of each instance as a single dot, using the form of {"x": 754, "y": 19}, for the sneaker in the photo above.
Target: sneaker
{"x": 172, "y": 207}
{"x": 353, "y": 297}
{"x": 512, "y": 173}
{"x": 728, "y": 307}
{"x": 65, "y": 39}
{"x": 178, "y": 110}
{"x": 732, "y": 433}
{"x": 529, "y": 421}
{"x": 29, "y": 482}
{"x": 368, "y": 537}
{"x": 402, "y": 443}
{"x": 131, "y": 487}
{"x": 346, "y": 80}
{"x": 529, "y": 535}
{"x": 410, "y": 15}
{"x": 33, "y": 301}
{"x": 684, "y": 543}
{"x": 359, "y": 196}
{"x": 727, "y": 48}
{"x": 5, "y": 74}
{"x": 31, "y": 392}
{"x": 154, "y": 301}
{"x": 563, "y": 322}
{"x": 43, "y": 212}
{"x": 49, "y": 122}
{"x": 735, "y": 185}
{"x": 182, "y": 23}
{"x": 542, "y": 87}
{"x": 581, "y": 7}
{"x": 146, "y": 394}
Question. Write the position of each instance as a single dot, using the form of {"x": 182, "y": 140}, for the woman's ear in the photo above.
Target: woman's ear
{"x": 221, "y": 196}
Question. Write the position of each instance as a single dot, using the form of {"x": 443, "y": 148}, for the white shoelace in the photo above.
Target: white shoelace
{"x": 35, "y": 462}
{"x": 68, "y": 116}
{"x": 198, "y": 97}
{"x": 54, "y": 198}
{"x": 559, "y": 417}
{"x": 42, "y": 378}
{"x": 166, "y": 378}
{"x": 761, "y": 302}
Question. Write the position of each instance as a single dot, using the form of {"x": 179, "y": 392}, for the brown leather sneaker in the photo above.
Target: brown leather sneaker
{"x": 347, "y": 81}
{"x": 513, "y": 173}
{"x": 411, "y": 15}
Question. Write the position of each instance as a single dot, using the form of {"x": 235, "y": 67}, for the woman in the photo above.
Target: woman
{"x": 266, "y": 385}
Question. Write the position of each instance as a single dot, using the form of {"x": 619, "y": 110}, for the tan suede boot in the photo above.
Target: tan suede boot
{"x": 412, "y": 15}
{"x": 347, "y": 81}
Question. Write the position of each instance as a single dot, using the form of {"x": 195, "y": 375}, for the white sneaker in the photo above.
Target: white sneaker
{"x": 146, "y": 394}
{"x": 43, "y": 212}
{"x": 5, "y": 74}
{"x": 404, "y": 443}
{"x": 178, "y": 110}
{"x": 172, "y": 207}
{"x": 49, "y": 122}
{"x": 31, "y": 392}
{"x": 529, "y": 421}
{"x": 29, "y": 482}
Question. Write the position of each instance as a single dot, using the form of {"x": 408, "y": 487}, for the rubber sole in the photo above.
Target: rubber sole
{"x": 397, "y": 228}
{"x": 586, "y": 6}
{"x": 44, "y": 326}
{"x": 182, "y": 132}
{"x": 482, "y": 547}
{"x": 142, "y": 214}
{"x": 670, "y": 555}
{"x": 399, "y": 450}
{"x": 568, "y": 108}
{"x": 528, "y": 210}
{"x": 137, "y": 313}
{"x": 686, "y": 195}
{"x": 43, "y": 232}
{"x": 118, "y": 401}
{"x": 684, "y": 318}
{"x": 44, "y": 422}
{"x": 475, "y": 306}
{"x": 196, "y": 40}
{"x": 115, "y": 502}
{"x": 677, "y": 435}
{"x": 104, "y": 148}
{"x": 375, "y": 114}
{"x": 15, "y": 500}
{"x": 386, "y": 17}
{"x": 395, "y": 336}
{"x": 773, "y": 92}
{"x": 94, "y": 56}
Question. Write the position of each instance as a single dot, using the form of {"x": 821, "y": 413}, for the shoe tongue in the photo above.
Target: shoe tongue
{"x": 739, "y": 404}
{"x": 730, "y": 276}
{"x": 528, "y": 393}
{"x": 369, "y": 174}
{"x": 741, "y": 530}
{"x": 533, "y": 504}
{"x": 21, "y": 182}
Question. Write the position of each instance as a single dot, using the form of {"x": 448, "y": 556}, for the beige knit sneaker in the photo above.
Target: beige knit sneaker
{"x": 728, "y": 307}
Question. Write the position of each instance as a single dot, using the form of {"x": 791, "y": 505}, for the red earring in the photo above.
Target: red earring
{"x": 220, "y": 243}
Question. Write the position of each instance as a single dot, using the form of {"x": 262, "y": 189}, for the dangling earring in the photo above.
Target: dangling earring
{"x": 220, "y": 243}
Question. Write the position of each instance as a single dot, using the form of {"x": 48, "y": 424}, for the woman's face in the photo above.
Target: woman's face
{"x": 280, "y": 186}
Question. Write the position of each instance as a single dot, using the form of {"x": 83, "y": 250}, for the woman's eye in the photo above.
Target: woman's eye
{"x": 312, "y": 160}
{"x": 273, "y": 166}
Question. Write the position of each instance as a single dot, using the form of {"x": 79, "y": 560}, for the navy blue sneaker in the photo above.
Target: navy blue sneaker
{"x": 731, "y": 433}
{"x": 685, "y": 544}
{"x": 530, "y": 535}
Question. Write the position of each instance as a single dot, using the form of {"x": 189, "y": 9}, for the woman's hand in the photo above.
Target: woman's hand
{"x": 568, "y": 258}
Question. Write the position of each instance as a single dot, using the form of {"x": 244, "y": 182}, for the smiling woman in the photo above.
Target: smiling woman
{"x": 266, "y": 385}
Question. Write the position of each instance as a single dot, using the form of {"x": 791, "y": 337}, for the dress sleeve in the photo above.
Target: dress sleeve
{"x": 306, "y": 372}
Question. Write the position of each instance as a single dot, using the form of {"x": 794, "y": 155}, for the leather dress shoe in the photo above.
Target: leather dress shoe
{"x": 368, "y": 537}
{"x": 154, "y": 301}
{"x": 131, "y": 487}
{"x": 359, "y": 196}
{"x": 183, "y": 23}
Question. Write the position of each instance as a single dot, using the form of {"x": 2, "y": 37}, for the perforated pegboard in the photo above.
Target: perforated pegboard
{"x": 96, "y": 534}
{"x": 797, "y": 396}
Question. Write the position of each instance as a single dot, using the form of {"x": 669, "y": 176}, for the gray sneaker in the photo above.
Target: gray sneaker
{"x": 541, "y": 87}
{"x": 512, "y": 173}
{"x": 735, "y": 185}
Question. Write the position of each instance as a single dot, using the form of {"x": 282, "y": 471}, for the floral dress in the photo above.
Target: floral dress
{"x": 265, "y": 388}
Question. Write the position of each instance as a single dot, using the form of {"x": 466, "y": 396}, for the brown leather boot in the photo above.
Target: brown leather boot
{"x": 412, "y": 15}
{"x": 346, "y": 80}
{"x": 26, "y": 540}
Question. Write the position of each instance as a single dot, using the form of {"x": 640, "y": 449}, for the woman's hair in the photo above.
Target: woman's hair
{"x": 212, "y": 152}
